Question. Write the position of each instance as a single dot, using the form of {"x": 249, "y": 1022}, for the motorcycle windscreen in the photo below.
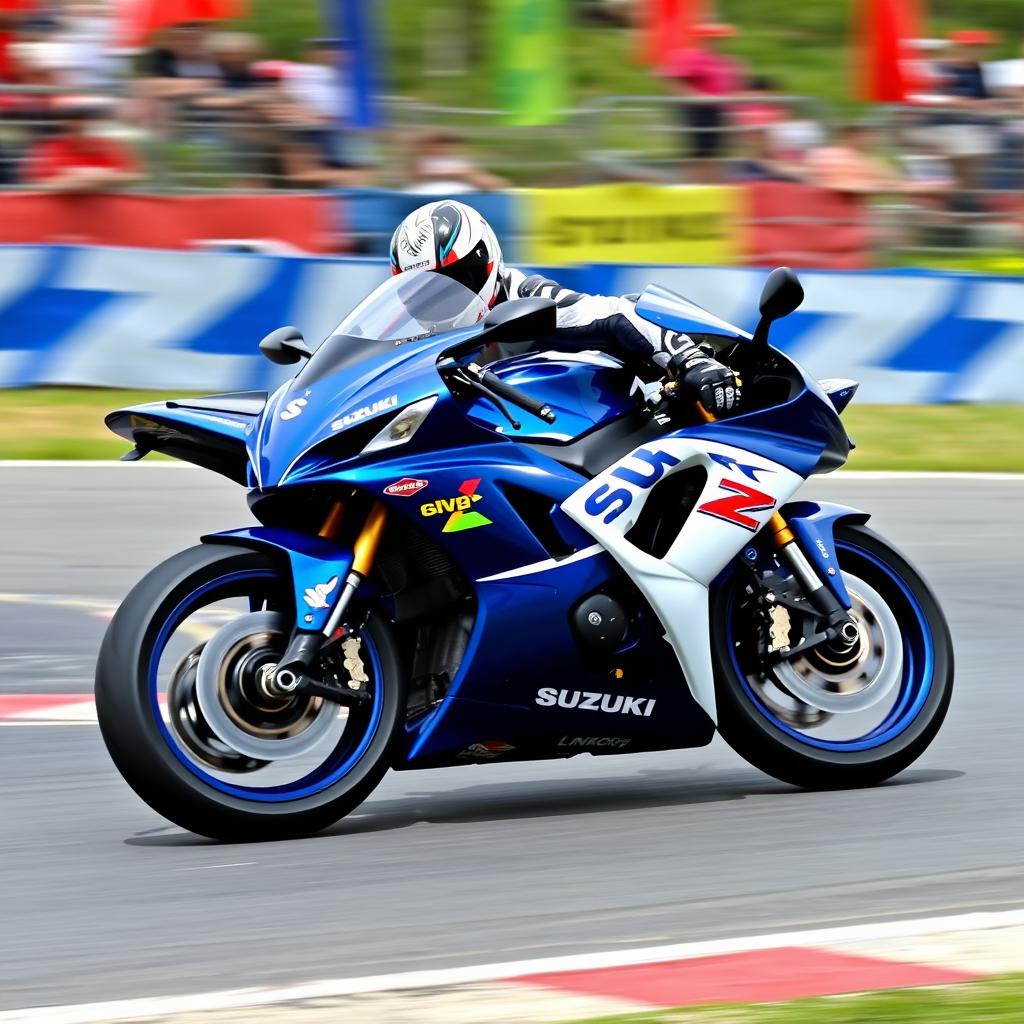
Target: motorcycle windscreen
{"x": 370, "y": 367}
{"x": 665, "y": 308}
{"x": 406, "y": 308}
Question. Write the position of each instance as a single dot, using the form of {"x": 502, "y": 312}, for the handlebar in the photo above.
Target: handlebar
{"x": 494, "y": 383}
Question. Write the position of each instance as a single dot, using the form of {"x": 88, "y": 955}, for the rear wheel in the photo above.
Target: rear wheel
{"x": 188, "y": 725}
{"x": 847, "y": 715}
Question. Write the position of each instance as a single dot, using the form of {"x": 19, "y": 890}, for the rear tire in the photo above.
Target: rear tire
{"x": 140, "y": 746}
{"x": 754, "y": 732}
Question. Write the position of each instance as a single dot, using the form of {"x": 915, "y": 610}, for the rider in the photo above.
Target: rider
{"x": 454, "y": 240}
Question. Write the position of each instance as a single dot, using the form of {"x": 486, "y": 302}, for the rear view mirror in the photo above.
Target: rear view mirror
{"x": 521, "y": 320}
{"x": 285, "y": 346}
{"x": 782, "y": 293}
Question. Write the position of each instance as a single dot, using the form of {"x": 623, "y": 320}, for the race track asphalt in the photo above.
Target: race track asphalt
{"x": 102, "y": 899}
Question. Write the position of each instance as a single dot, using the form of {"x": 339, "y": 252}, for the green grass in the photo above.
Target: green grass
{"x": 67, "y": 423}
{"x": 994, "y": 1001}
{"x": 62, "y": 423}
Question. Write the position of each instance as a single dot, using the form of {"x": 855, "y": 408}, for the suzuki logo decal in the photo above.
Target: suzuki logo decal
{"x": 743, "y": 498}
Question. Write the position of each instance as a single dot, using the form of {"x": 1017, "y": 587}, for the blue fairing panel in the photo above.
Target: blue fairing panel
{"x": 813, "y": 524}
{"x": 499, "y": 699}
{"x": 210, "y": 432}
{"x": 665, "y": 308}
{"x": 318, "y": 567}
{"x": 584, "y": 390}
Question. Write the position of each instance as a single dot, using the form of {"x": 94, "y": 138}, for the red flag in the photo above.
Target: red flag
{"x": 139, "y": 19}
{"x": 885, "y": 58}
{"x": 668, "y": 27}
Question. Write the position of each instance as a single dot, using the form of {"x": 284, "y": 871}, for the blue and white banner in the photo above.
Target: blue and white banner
{"x": 192, "y": 321}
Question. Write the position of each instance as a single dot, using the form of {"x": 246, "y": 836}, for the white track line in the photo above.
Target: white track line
{"x": 234, "y": 999}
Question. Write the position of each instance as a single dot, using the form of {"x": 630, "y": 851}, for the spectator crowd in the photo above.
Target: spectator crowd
{"x": 204, "y": 104}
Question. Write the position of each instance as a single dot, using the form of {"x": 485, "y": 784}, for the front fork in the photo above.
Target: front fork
{"x": 835, "y": 619}
{"x": 292, "y": 671}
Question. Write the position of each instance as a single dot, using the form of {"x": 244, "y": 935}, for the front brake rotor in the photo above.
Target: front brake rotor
{"x": 235, "y": 707}
{"x": 189, "y": 725}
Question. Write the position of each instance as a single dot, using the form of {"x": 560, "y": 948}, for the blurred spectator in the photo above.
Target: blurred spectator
{"x": 88, "y": 30}
{"x": 848, "y": 165}
{"x": 704, "y": 77}
{"x": 761, "y": 157}
{"x": 319, "y": 87}
{"x": 967, "y": 136}
{"x": 80, "y": 157}
{"x": 12, "y": 13}
{"x": 288, "y": 144}
{"x": 38, "y": 63}
{"x": 180, "y": 67}
{"x": 439, "y": 163}
{"x": 962, "y": 74}
{"x": 761, "y": 104}
{"x": 235, "y": 55}
{"x": 319, "y": 84}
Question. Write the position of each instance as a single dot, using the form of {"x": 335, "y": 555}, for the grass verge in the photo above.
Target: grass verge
{"x": 67, "y": 423}
{"x": 994, "y": 1001}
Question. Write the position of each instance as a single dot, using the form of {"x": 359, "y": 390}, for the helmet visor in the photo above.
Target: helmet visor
{"x": 472, "y": 270}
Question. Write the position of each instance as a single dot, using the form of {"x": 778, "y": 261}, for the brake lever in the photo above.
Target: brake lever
{"x": 502, "y": 407}
{"x": 453, "y": 372}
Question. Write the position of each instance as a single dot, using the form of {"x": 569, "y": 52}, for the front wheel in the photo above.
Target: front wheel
{"x": 184, "y": 718}
{"x": 834, "y": 720}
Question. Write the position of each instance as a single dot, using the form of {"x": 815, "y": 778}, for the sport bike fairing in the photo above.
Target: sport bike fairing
{"x": 741, "y": 492}
{"x": 523, "y": 678}
{"x": 469, "y": 554}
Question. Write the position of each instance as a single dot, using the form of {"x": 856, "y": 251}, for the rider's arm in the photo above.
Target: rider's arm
{"x": 604, "y": 322}
{"x": 613, "y": 325}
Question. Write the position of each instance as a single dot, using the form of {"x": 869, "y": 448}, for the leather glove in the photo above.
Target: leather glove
{"x": 706, "y": 380}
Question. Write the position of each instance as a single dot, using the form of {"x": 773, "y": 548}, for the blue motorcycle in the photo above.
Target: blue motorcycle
{"x": 471, "y": 551}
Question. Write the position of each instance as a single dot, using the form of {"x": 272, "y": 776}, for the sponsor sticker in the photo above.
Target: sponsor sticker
{"x": 406, "y": 487}
{"x": 585, "y": 742}
{"x": 460, "y": 511}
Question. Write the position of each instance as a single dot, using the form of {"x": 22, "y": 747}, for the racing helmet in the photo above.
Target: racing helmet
{"x": 453, "y": 239}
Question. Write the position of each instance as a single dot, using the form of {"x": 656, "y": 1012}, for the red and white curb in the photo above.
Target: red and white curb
{"x": 761, "y": 968}
{"x": 47, "y": 709}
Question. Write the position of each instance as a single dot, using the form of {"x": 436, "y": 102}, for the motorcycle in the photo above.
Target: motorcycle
{"x": 471, "y": 552}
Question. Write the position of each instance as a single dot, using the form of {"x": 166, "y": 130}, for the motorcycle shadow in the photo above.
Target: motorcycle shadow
{"x": 531, "y": 799}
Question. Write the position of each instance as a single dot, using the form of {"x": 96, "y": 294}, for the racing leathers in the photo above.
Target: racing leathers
{"x": 613, "y": 325}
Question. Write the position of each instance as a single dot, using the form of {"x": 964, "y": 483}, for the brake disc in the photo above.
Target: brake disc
{"x": 841, "y": 684}
{"x": 238, "y": 712}
{"x": 192, "y": 729}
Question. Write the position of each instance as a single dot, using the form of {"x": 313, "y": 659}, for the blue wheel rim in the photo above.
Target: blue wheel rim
{"x": 334, "y": 768}
{"x": 915, "y": 686}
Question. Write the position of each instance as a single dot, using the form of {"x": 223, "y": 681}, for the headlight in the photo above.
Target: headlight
{"x": 403, "y": 427}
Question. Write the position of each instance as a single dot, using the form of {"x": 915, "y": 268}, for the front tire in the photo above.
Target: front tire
{"x": 210, "y": 794}
{"x": 761, "y": 731}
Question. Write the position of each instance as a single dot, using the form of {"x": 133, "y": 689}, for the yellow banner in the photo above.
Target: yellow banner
{"x": 632, "y": 224}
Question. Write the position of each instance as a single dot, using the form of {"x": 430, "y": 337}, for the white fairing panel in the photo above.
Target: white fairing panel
{"x": 742, "y": 492}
